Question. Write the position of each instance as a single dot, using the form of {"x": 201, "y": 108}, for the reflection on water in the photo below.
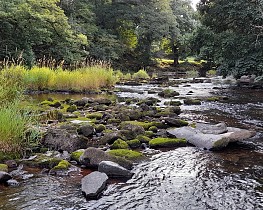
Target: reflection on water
{"x": 185, "y": 178}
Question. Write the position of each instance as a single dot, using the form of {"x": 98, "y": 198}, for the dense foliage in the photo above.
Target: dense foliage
{"x": 125, "y": 32}
{"x": 231, "y": 35}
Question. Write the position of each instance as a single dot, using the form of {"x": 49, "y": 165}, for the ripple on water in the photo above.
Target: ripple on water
{"x": 186, "y": 178}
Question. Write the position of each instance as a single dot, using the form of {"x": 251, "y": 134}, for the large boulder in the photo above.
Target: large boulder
{"x": 93, "y": 156}
{"x": 86, "y": 130}
{"x": 211, "y": 136}
{"x": 93, "y": 184}
{"x": 63, "y": 139}
{"x": 4, "y": 177}
{"x": 113, "y": 169}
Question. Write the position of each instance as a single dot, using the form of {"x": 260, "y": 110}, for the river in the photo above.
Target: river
{"x": 183, "y": 178}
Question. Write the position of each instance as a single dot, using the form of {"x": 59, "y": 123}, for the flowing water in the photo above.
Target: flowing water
{"x": 183, "y": 178}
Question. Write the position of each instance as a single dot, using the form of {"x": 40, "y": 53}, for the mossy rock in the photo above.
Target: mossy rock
{"x": 146, "y": 125}
{"x": 95, "y": 115}
{"x": 100, "y": 107}
{"x": 176, "y": 122}
{"x": 114, "y": 121}
{"x": 167, "y": 142}
{"x": 169, "y": 111}
{"x": 42, "y": 161}
{"x": 212, "y": 99}
{"x": 72, "y": 108}
{"x": 173, "y": 103}
{"x": 127, "y": 154}
{"x": 99, "y": 128}
{"x": 167, "y": 93}
{"x": 54, "y": 103}
{"x": 3, "y": 167}
{"x": 62, "y": 165}
{"x": 76, "y": 154}
{"x": 143, "y": 139}
{"x": 119, "y": 144}
{"x": 154, "y": 129}
{"x": 192, "y": 102}
{"x": 135, "y": 143}
{"x": 149, "y": 134}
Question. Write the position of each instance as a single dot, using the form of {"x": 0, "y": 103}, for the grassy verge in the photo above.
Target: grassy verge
{"x": 14, "y": 121}
{"x": 89, "y": 78}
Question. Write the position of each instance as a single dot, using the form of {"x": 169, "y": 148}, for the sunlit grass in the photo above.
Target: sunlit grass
{"x": 191, "y": 60}
{"x": 40, "y": 78}
{"x": 13, "y": 127}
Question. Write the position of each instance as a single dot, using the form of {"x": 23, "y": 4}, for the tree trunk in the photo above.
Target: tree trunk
{"x": 175, "y": 55}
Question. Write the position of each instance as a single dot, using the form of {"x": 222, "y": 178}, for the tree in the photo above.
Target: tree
{"x": 37, "y": 28}
{"x": 186, "y": 22}
{"x": 237, "y": 28}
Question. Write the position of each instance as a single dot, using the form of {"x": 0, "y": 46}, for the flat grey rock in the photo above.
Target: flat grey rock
{"x": 113, "y": 169}
{"x": 211, "y": 136}
{"x": 93, "y": 184}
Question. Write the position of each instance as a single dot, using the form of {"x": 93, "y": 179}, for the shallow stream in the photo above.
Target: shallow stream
{"x": 183, "y": 178}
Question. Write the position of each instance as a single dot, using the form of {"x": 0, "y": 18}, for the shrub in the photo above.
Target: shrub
{"x": 141, "y": 74}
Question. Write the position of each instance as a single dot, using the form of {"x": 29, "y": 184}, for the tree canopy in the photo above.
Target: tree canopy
{"x": 232, "y": 35}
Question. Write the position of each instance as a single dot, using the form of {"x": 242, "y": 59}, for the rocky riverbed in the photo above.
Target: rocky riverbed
{"x": 126, "y": 127}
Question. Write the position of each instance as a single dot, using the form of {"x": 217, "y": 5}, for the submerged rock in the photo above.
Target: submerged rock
{"x": 4, "y": 177}
{"x": 93, "y": 184}
{"x": 113, "y": 169}
{"x": 211, "y": 136}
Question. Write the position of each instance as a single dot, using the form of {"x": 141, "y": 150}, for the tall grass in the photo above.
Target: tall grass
{"x": 14, "y": 122}
{"x": 13, "y": 128}
{"x": 83, "y": 79}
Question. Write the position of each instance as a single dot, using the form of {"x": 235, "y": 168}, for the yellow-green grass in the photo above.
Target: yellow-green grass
{"x": 13, "y": 128}
{"x": 190, "y": 60}
{"x": 89, "y": 78}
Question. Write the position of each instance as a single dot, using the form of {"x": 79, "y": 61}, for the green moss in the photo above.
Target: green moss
{"x": 146, "y": 125}
{"x": 192, "y": 102}
{"x": 167, "y": 142}
{"x": 9, "y": 156}
{"x": 167, "y": 93}
{"x": 143, "y": 139}
{"x": 119, "y": 144}
{"x": 72, "y": 108}
{"x": 125, "y": 153}
{"x": 54, "y": 103}
{"x": 135, "y": 143}
{"x": 3, "y": 167}
{"x": 154, "y": 129}
{"x": 62, "y": 165}
{"x": 149, "y": 134}
{"x": 113, "y": 120}
{"x": 76, "y": 155}
{"x": 95, "y": 115}
{"x": 193, "y": 125}
{"x": 213, "y": 99}
{"x": 99, "y": 128}
{"x": 173, "y": 103}
{"x": 42, "y": 161}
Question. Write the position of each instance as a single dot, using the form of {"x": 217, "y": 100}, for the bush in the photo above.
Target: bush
{"x": 141, "y": 74}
